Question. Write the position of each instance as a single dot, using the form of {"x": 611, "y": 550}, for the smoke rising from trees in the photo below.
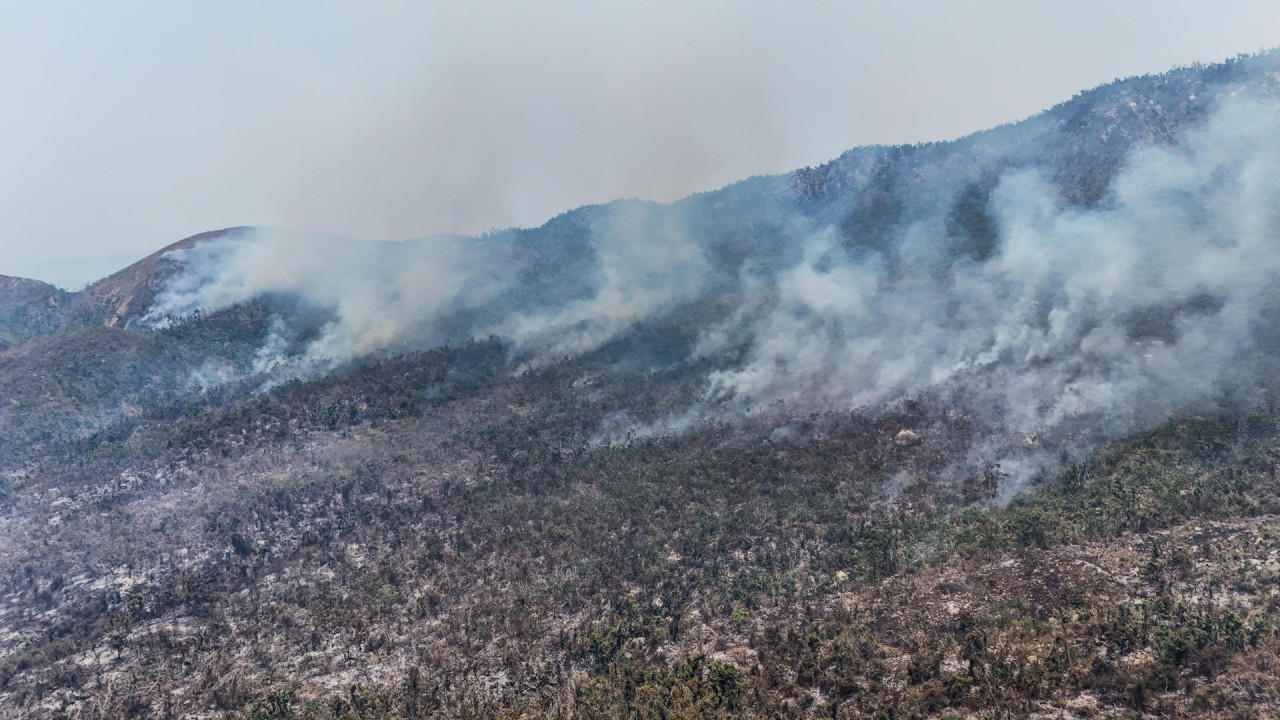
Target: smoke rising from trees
{"x": 955, "y": 272}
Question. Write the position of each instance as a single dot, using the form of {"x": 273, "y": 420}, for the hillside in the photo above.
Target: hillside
{"x": 986, "y": 428}
{"x": 27, "y": 308}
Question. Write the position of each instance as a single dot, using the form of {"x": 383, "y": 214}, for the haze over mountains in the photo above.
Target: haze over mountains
{"x": 1107, "y": 262}
{"x": 244, "y": 411}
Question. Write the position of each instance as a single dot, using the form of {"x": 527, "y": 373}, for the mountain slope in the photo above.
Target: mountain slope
{"x": 27, "y": 308}
{"x": 424, "y": 535}
{"x": 982, "y": 428}
{"x": 127, "y": 295}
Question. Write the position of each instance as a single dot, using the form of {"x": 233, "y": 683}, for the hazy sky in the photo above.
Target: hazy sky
{"x": 129, "y": 125}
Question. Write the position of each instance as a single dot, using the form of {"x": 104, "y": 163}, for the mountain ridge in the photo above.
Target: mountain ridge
{"x": 1186, "y": 93}
{"x": 982, "y": 428}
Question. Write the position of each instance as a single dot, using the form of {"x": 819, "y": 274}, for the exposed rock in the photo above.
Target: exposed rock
{"x": 907, "y": 438}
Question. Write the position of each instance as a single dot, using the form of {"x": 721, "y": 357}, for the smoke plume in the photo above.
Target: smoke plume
{"x": 953, "y": 270}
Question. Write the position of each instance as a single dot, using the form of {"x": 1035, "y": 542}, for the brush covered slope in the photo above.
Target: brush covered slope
{"x": 981, "y": 428}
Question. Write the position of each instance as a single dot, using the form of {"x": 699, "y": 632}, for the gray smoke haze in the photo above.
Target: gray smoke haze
{"x": 388, "y": 296}
{"x": 1146, "y": 301}
{"x": 378, "y": 293}
{"x": 1117, "y": 316}
{"x": 398, "y": 119}
{"x": 1108, "y": 316}
{"x": 644, "y": 268}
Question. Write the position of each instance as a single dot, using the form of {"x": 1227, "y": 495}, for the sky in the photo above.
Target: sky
{"x": 126, "y": 126}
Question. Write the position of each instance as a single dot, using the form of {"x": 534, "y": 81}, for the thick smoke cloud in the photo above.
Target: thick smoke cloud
{"x": 1116, "y": 316}
{"x": 1109, "y": 316}
{"x": 377, "y": 294}
{"x": 645, "y": 266}
{"x": 1144, "y": 302}
{"x": 389, "y": 296}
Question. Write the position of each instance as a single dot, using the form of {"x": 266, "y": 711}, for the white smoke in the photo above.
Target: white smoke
{"x": 1122, "y": 314}
{"x": 378, "y": 295}
{"x": 387, "y": 296}
{"x": 643, "y": 269}
{"x": 1116, "y": 315}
